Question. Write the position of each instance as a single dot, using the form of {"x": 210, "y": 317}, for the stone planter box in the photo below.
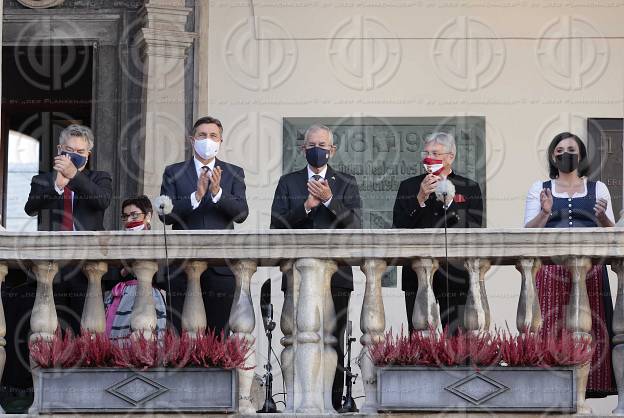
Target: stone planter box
{"x": 494, "y": 389}
{"x": 125, "y": 390}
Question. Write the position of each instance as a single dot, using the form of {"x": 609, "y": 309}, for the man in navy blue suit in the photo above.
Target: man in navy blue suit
{"x": 319, "y": 197}
{"x": 207, "y": 193}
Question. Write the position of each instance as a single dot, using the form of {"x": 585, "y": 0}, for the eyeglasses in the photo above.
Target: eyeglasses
{"x": 132, "y": 215}
{"x": 425, "y": 154}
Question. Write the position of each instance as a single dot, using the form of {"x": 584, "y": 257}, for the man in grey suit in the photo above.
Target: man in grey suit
{"x": 207, "y": 193}
{"x": 319, "y": 197}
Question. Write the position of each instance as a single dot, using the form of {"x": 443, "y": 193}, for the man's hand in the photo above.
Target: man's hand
{"x": 202, "y": 185}
{"x": 546, "y": 201}
{"x": 311, "y": 202}
{"x": 320, "y": 190}
{"x": 61, "y": 181}
{"x": 427, "y": 186}
{"x": 215, "y": 181}
{"x": 63, "y": 165}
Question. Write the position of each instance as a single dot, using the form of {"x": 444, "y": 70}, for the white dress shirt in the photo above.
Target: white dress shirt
{"x": 533, "y": 205}
{"x": 198, "y": 168}
{"x": 322, "y": 174}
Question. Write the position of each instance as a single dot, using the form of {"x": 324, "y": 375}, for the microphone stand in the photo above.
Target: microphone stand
{"x": 162, "y": 211}
{"x": 349, "y": 403}
{"x": 445, "y": 206}
{"x": 269, "y": 406}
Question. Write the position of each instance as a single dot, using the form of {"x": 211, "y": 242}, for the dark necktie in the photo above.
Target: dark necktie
{"x": 68, "y": 210}
{"x": 317, "y": 177}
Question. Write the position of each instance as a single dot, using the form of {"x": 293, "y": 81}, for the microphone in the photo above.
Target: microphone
{"x": 163, "y": 205}
{"x": 266, "y": 308}
{"x": 445, "y": 189}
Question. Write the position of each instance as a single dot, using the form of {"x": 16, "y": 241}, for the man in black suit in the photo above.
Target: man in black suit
{"x": 417, "y": 206}
{"x": 70, "y": 198}
{"x": 318, "y": 197}
{"x": 207, "y": 193}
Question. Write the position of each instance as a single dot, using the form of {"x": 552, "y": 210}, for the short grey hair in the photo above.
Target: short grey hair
{"x": 77, "y": 130}
{"x": 315, "y": 128}
{"x": 445, "y": 139}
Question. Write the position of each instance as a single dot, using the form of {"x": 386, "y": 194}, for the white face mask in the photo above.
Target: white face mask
{"x": 206, "y": 149}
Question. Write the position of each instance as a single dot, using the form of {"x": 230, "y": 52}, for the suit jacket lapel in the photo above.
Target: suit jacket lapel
{"x": 191, "y": 174}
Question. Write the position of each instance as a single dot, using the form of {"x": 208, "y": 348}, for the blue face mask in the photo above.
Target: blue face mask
{"x": 78, "y": 160}
{"x": 317, "y": 157}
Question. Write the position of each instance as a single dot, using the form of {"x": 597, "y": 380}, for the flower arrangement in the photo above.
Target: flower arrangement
{"x": 482, "y": 349}
{"x": 207, "y": 350}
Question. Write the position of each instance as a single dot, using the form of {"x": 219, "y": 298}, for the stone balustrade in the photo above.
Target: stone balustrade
{"x": 308, "y": 258}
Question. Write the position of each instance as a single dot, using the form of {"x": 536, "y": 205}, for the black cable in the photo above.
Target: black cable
{"x": 282, "y": 372}
{"x": 168, "y": 279}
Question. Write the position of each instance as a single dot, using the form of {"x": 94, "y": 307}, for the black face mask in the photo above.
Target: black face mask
{"x": 566, "y": 162}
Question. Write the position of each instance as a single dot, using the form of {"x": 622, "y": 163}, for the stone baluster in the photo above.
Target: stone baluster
{"x": 3, "y": 272}
{"x": 93, "y": 315}
{"x": 579, "y": 320}
{"x": 618, "y": 336}
{"x": 43, "y": 319}
{"x": 330, "y": 358}
{"x": 194, "y": 311}
{"x": 309, "y": 353}
{"x": 426, "y": 314}
{"x": 529, "y": 315}
{"x": 372, "y": 325}
{"x": 475, "y": 316}
{"x": 143, "y": 317}
{"x": 242, "y": 323}
{"x": 287, "y": 325}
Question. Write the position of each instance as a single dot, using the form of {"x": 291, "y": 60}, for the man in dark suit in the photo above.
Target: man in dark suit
{"x": 70, "y": 198}
{"x": 318, "y": 197}
{"x": 207, "y": 193}
{"x": 417, "y": 206}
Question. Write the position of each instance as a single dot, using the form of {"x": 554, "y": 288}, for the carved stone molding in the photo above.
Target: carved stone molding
{"x": 40, "y": 4}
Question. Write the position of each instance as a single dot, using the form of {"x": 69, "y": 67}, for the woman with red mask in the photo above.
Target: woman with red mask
{"x": 569, "y": 200}
{"x": 136, "y": 215}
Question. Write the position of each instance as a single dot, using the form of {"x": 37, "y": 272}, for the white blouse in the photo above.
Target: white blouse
{"x": 532, "y": 205}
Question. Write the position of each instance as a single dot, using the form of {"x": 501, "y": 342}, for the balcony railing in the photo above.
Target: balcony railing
{"x": 309, "y": 258}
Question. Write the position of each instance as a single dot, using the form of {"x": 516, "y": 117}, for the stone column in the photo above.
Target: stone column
{"x": 309, "y": 353}
{"x": 143, "y": 317}
{"x": 194, "y": 311}
{"x": 579, "y": 320}
{"x": 618, "y": 336}
{"x": 529, "y": 315}
{"x": 426, "y": 310}
{"x": 242, "y": 323}
{"x": 164, "y": 43}
{"x": 484, "y": 267}
{"x": 287, "y": 325}
{"x": 3, "y": 272}
{"x": 93, "y": 316}
{"x": 330, "y": 358}
{"x": 43, "y": 319}
{"x": 476, "y": 319}
{"x": 372, "y": 325}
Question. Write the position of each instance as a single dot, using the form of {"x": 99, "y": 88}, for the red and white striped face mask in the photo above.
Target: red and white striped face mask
{"x": 433, "y": 166}
{"x": 134, "y": 226}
